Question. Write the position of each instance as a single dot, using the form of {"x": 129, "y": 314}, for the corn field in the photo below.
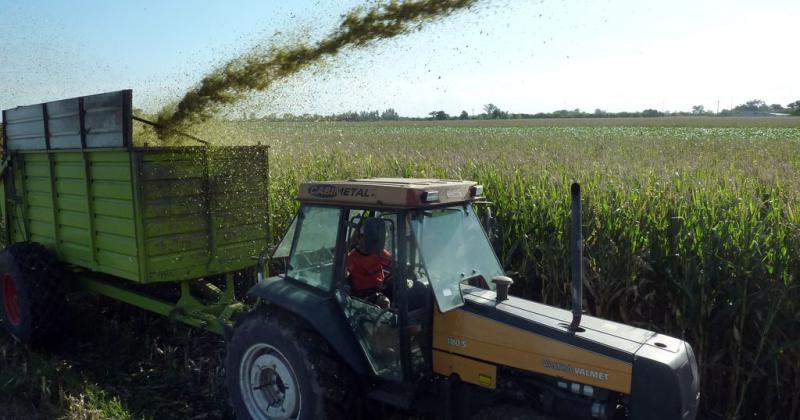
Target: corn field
{"x": 690, "y": 231}
{"x": 692, "y": 228}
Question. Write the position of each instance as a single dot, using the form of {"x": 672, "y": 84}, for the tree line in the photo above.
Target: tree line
{"x": 754, "y": 107}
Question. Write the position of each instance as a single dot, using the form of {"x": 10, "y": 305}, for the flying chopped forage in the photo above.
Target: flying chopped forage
{"x": 257, "y": 72}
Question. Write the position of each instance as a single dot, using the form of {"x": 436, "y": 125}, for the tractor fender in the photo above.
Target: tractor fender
{"x": 318, "y": 308}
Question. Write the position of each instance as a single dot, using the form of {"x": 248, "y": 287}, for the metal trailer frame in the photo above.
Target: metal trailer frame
{"x": 118, "y": 215}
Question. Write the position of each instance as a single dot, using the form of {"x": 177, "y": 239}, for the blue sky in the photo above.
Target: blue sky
{"x": 524, "y": 56}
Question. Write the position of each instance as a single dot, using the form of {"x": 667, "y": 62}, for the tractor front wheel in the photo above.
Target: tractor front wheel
{"x": 31, "y": 293}
{"x": 279, "y": 368}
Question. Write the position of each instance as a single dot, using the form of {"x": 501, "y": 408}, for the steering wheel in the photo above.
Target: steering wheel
{"x": 376, "y": 320}
{"x": 364, "y": 318}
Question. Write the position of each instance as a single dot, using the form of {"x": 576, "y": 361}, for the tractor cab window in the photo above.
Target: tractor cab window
{"x": 356, "y": 220}
{"x": 313, "y": 246}
{"x": 454, "y": 249}
{"x": 371, "y": 253}
{"x": 366, "y": 294}
{"x": 284, "y": 248}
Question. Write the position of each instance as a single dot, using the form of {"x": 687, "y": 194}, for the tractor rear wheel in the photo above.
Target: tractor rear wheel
{"x": 31, "y": 293}
{"x": 277, "y": 367}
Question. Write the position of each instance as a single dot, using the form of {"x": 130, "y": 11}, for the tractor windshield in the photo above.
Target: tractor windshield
{"x": 453, "y": 249}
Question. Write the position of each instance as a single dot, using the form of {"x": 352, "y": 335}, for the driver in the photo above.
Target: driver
{"x": 366, "y": 263}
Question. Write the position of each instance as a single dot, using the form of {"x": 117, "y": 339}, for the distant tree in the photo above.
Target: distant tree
{"x": 756, "y": 105}
{"x": 494, "y": 112}
{"x": 698, "y": 110}
{"x": 561, "y": 113}
{"x": 599, "y": 112}
{"x": 794, "y": 107}
{"x": 369, "y": 115}
{"x": 652, "y": 113}
{"x": 348, "y": 116}
{"x": 390, "y": 115}
{"x": 777, "y": 108}
{"x": 438, "y": 115}
{"x": 463, "y": 115}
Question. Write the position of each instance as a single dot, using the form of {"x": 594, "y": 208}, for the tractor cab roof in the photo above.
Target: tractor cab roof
{"x": 390, "y": 192}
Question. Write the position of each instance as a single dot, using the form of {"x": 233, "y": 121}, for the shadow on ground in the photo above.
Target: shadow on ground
{"x": 115, "y": 361}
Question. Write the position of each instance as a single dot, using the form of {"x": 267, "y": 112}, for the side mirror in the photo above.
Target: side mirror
{"x": 503, "y": 283}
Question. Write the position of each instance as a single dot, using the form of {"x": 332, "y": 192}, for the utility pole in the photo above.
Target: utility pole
{"x": 717, "y": 106}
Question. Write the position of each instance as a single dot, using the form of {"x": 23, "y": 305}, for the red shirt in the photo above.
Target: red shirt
{"x": 366, "y": 270}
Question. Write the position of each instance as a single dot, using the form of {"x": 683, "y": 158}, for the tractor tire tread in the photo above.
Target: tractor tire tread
{"x": 329, "y": 377}
{"x": 330, "y": 374}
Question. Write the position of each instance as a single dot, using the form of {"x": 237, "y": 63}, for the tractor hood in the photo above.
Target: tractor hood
{"x": 657, "y": 371}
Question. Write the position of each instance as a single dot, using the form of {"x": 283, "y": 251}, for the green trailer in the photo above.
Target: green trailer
{"x": 119, "y": 219}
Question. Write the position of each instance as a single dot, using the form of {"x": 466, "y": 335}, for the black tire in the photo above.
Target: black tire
{"x": 325, "y": 384}
{"x": 31, "y": 293}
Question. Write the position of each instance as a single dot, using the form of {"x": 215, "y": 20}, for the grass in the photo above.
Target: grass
{"x": 116, "y": 362}
{"x": 692, "y": 228}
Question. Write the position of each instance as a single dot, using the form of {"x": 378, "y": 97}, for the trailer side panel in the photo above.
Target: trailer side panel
{"x": 203, "y": 211}
{"x": 80, "y": 204}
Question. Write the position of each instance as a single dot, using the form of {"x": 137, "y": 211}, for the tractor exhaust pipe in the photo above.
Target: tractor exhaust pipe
{"x": 576, "y": 245}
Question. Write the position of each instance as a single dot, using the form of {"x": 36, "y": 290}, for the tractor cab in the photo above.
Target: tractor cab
{"x": 429, "y": 240}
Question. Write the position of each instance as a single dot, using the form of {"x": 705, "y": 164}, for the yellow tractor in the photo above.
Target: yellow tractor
{"x": 443, "y": 338}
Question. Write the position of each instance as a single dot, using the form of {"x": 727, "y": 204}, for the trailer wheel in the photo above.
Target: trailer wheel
{"x": 277, "y": 367}
{"x": 31, "y": 293}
